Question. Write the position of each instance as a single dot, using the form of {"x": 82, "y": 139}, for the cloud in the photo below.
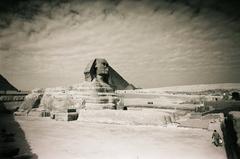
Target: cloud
{"x": 143, "y": 40}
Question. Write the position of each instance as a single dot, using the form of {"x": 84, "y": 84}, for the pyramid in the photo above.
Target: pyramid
{"x": 5, "y": 85}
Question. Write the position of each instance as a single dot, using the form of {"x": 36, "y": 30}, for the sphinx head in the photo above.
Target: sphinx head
{"x": 102, "y": 67}
{"x": 97, "y": 69}
{"x": 102, "y": 70}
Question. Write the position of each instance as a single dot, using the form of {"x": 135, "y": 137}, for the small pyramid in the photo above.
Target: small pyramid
{"x": 5, "y": 85}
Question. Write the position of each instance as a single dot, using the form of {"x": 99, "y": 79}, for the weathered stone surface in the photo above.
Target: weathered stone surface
{"x": 97, "y": 94}
{"x": 87, "y": 95}
{"x": 32, "y": 100}
{"x": 60, "y": 99}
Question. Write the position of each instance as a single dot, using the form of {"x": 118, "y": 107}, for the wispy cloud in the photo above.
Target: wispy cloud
{"x": 150, "y": 44}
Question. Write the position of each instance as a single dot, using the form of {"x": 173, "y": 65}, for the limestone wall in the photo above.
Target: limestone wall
{"x": 32, "y": 100}
{"x": 87, "y": 95}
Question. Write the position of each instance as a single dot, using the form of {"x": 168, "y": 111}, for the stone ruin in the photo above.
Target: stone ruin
{"x": 96, "y": 92}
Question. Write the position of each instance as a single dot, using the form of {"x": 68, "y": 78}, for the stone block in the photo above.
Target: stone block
{"x": 45, "y": 114}
{"x": 66, "y": 116}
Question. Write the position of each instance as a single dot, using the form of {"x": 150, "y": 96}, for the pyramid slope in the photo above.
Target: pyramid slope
{"x": 5, "y": 85}
{"x": 116, "y": 80}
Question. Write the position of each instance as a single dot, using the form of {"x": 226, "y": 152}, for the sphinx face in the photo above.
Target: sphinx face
{"x": 102, "y": 70}
{"x": 102, "y": 67}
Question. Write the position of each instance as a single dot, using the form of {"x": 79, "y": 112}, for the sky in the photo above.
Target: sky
{"x": 150, "y": 43}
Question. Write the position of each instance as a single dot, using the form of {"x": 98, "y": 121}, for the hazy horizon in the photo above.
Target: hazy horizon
{"x": 149, "y": 43}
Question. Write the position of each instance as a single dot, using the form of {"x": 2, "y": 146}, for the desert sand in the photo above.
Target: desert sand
{"x": 51, "y": 139}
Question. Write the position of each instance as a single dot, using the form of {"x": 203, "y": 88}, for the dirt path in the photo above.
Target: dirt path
{"x": 51, "y": 139}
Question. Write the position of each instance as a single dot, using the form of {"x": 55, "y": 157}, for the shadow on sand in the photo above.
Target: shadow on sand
{"x": 13, "y": 143}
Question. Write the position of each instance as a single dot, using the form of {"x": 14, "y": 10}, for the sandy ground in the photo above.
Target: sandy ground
{"x": 51, "y": 139}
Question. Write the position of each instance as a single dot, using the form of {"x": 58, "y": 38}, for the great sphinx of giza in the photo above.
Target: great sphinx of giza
{"x": 96, "y": 92}
{"x": 101, "y": 81}
{"x": 99, "y": 70}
